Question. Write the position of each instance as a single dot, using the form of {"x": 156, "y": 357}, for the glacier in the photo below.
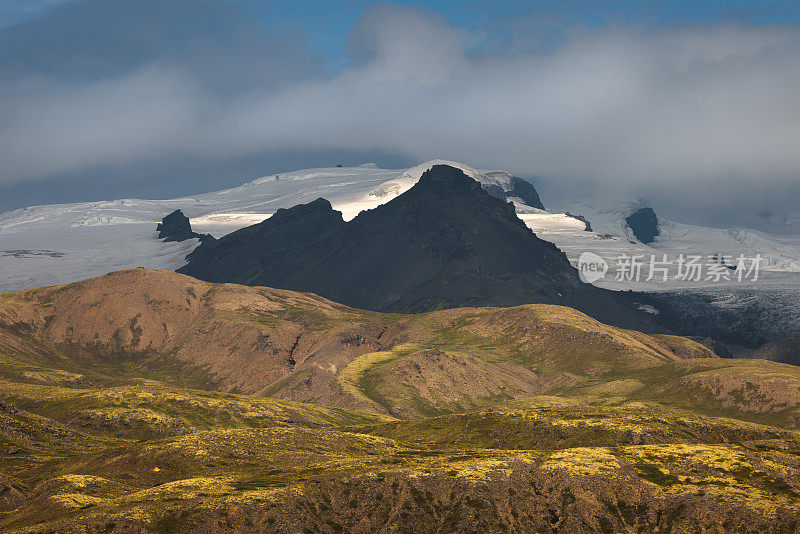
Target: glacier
{"x": 82, "y": 240}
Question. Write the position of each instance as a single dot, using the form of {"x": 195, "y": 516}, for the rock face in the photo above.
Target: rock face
{"x": 644, "y": 224}
{"x": 444, "y": 243}
{"x": 521, "y": 189}
{"x": 176, "y": 227}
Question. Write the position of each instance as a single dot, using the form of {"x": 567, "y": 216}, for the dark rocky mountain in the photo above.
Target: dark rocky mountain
{"x": 644, "y": 224}
{"x": 444, "y": 243}
{"x": 521, "y": 189}
{"x": 176, "y": 227}
{"x": 716, "y": 346}
{"x": 267, "y": 250}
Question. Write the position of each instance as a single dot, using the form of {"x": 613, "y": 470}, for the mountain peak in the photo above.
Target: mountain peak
{"x": 446, "y": 176}
{"x": 445, "y": 242}
{"x": 446, "y": 196}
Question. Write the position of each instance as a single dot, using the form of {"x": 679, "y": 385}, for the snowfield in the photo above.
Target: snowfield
{"x": 612, "y": 240}
{"x": 44, "y": 245}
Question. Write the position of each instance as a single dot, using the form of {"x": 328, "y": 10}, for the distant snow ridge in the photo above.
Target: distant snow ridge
{"x": 92, "y": 238}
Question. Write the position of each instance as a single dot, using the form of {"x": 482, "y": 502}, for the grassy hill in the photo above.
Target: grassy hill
{"x": 165, "y": 326}
{"x": 149, "y": 401}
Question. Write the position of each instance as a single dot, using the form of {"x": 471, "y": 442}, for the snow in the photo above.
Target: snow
{"x": 44, "y": 245}
{"x": 611, "y": 239}
{"x": 94, "y": 238}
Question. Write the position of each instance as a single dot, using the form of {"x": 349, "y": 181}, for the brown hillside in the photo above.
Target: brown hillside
{"x": 161, "y": 325}
{"x": 302, "y": 347}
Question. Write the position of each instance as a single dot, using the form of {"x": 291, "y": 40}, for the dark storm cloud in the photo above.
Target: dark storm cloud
{"x": 677, "y": 114}
{"x": 99, "y": 83}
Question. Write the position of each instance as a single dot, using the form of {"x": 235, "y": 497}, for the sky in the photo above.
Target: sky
{"x": 690, "y": 105}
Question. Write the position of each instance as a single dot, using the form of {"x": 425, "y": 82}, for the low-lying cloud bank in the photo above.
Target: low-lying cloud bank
{"x": 704, "y": 116}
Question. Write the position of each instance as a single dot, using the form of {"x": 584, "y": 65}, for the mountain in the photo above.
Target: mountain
{"x": 149, "y": 401}
{"x": 512, "y": 188}
{"x": 54, "y": 244}
{"x": 445, "y": 242}
{"x": 45, "y": 245}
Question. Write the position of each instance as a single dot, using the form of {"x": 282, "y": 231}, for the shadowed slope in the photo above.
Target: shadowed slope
{"x": 785, "y": 351}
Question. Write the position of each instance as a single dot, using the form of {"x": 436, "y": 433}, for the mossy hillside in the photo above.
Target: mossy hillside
{"x": 285, "y": 475}
{"x": 78, "y": 365}
{"x": 750, "y": 390}
{"x": 302, "y": 347}
{"x": 249, "y": 461}
{"x": 542, "y": 425}
{"x": 555, "y": 339}
{"x": 550, "y": 346}
{"x": 150, "y": 409}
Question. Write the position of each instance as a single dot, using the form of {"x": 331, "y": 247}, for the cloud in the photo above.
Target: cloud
{"x": 402, "y": 45}
{"x": 677, "y": 114}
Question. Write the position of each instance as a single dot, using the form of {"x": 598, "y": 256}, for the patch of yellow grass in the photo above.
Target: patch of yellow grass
{"x": 189, "y": 488}
{"x": 351, "y": 375}
{"x": 583, "y": 460}
{"x": 76, "y": 500}
{"x": 723, "y": 457}
{"x": 82, "y": 481}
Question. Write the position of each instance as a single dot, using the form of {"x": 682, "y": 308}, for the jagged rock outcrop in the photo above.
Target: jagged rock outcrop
{"x": 584, "y": 220}
{"x": 266, "y": 250}
{"x": 176, "y": 227}
{"x": 525, "y": 191}
{"x": 644, "y": 224}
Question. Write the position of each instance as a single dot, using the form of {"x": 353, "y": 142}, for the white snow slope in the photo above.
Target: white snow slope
{"x": 54, "y": 244}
